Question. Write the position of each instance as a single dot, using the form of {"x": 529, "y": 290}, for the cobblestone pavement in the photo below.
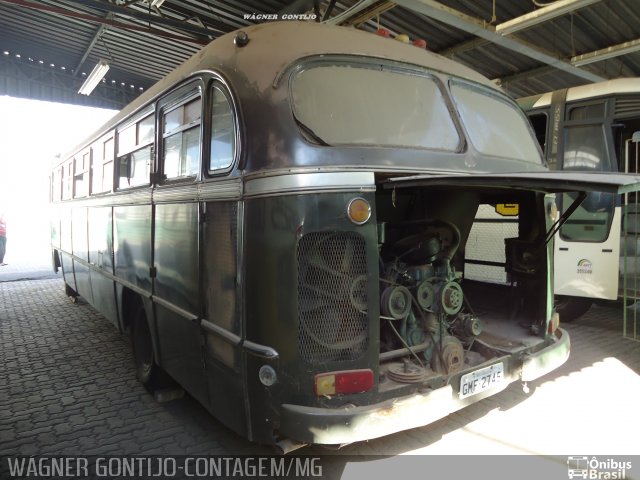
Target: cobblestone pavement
{"x": 67, "y": 386}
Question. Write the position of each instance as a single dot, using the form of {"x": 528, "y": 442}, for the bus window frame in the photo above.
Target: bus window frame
{"x": 604, "y": 122}
{"x": 217, "y": 81}
{"x": 120, "y": 154}
{"x": 498, "y": 96}
{"x": 546, "y": 114}
{"x": 82, "y": 172}
{"x": 98, "y": 162}
{"x": 182, "y": 94}
{"x": 67, "y": 178}
{"x": 294, "y": 69}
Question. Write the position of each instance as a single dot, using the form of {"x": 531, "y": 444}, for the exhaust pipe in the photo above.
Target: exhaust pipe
{"x": 286, "y": 445}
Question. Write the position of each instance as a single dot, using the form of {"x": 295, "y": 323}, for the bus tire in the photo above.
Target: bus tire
{"x": 148, "y": 372}
{"x": 571, "y": 308}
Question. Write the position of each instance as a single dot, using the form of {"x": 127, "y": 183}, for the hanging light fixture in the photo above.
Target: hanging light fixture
{"x": 94, "y": 78}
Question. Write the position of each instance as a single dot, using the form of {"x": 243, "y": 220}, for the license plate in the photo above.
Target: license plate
{"x": 481, "y": 380}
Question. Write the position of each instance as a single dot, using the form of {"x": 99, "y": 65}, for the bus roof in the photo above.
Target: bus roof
{"x": 275, "y": 45}
{"x": 591, "y": 90}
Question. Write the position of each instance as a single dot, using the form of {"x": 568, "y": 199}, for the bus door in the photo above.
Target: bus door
{"x": 588, "y": 245}
{"x": 176, "y": 241}
{"x": 630, "y": 254}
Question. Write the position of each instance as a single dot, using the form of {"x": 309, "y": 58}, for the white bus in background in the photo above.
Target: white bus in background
{"x": 593, "y": 127}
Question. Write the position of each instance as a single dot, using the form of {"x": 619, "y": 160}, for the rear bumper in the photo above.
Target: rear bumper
{"x": 549, "y": 358}
{"x": 353, "y": 424}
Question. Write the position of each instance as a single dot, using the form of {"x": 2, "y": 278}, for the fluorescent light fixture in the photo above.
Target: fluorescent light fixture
{"x": 157, "y": 3}
{"x": 94, "y": 78}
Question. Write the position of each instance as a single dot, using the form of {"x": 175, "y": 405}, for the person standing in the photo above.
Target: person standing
{"x": 3, "y": 239}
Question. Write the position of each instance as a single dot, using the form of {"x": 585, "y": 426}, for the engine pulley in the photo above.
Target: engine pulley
{"x": 395, "y": 302}
{"x": 425, "y": 294}
{"x": 406, "y": 373}
{"x": 467, "y": 327}
{"x": 451, "y": 298}
{"x": 451, "y": 357}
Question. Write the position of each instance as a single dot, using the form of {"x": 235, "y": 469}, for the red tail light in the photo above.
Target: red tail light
{"x": 346, "y": 381}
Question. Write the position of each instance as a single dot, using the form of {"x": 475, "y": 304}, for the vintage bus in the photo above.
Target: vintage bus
{"x": 281, "y": 224}
{"x": 593, "y": 127}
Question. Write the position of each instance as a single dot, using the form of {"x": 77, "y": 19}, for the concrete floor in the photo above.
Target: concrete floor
{"x": 68, "y": 387}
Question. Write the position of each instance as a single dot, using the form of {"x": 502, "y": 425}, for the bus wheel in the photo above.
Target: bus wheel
{"x": 148, "y": 371}
{"x": 571, "y": 308}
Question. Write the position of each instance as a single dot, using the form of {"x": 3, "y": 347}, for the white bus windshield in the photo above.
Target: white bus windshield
{"x": 351, "y": 105}
{"x": 496, "y": 127}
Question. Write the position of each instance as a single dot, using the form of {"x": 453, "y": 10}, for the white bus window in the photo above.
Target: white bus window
{"x": 592, "y": 219}
{"x": 146, "y": 130}
{"x": 126, "y": 139}
{"x": 223, "y": 135}
{"x": 495, "y": 126}
{"x": 56, "y": 190}
{"x": 587, "y": 112}
{"x": 135, "y": 168}
{"x": 585, "y": 148}
{"x": 107, "y": 176}
{"x": 107, "y": 166}
{"x": 140, "y": 167}
{"x": 81, "y": 177}
{"x": 67, "y": 180}
{"x": 181, "y": 144}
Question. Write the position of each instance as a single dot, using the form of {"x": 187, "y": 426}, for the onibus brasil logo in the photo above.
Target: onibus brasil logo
{"x": 596, "y": 469}
{"x": 585, "y": 266}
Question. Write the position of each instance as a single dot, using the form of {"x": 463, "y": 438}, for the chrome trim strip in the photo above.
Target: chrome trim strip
{"x": 301, "y": 182}
{"x": 176, "y": 193}
{"x": 221, "y": 332}
{"x": 175, "y": 309}
{"x": 226, "y": 189}
{"x": 260, "y": 350}
{"x": 229, "y": 189}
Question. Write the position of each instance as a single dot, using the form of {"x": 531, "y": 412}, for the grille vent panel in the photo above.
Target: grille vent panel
{"x": 332, "y": 295}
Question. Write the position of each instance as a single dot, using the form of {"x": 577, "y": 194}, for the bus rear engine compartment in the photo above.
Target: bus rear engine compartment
{"x": 434, "y": 321}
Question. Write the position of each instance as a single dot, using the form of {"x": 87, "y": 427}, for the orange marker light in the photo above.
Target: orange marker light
{"x": 359, "y": 210}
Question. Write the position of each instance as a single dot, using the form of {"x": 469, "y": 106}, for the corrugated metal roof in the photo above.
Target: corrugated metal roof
{"x": 60, "y": 33}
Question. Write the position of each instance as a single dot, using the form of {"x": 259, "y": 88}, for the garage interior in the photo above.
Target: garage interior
{"x": 68, "y": 382}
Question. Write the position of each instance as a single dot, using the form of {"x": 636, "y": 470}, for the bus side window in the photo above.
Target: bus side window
{"x": 135, "y": 153}
{"x": 81, "y": 176}
{"x": 181, "y": 139}
{"x": 539, "y": 123}
{"x": 223, "y": 135}
{"x": 67, "y": 180}
{"x": 107, "y": 166}
{"x": 56, "y": 190}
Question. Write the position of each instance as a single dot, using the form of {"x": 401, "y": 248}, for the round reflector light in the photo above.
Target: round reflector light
{"x": 267, "y": 375}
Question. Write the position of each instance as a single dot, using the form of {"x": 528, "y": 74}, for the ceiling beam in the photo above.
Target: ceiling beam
{"x": 153, "y": 19}
{"x": 372, "y": 12}
{"x": 76, "y": 13}
{"x": 584, "y": 59}
{"x": 92, "y": 44}
{"x": 607, "y": 53}
{"x": 481, "y": 29}
{"x": 528, "y": 20}
{"x": 27, "y": 79}
{"x": 523, "y": 22}
{"x": 349, "y": 13}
